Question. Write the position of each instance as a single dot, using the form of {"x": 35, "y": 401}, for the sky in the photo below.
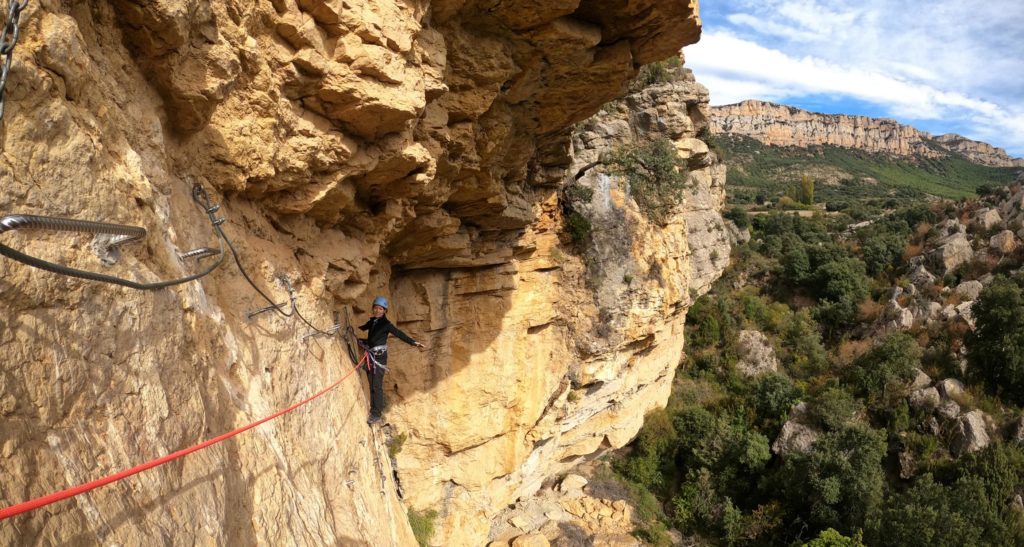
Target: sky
{"x": 942, "y": 66}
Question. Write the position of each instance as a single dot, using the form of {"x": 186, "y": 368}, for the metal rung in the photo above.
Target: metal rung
{"x": 254, "y": 313}
{"x": 201, "y": 252}
{"x": 329, "y": 332}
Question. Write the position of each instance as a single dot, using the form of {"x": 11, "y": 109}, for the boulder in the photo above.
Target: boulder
{"x": 1004, "y": 242}
{"x": 953, "y": 251}
{"x": 969, "y": 290}
{"x": 920, "y": 276}
{"x": 904, "y": 320}
{"x": 950, "y": 388}
{"x": 964, "y": 311}
{"x": 908, "y": 465}
{"x": 794, "y": 437}
{"x": 1018, "y": 431}
{"x": 614, "y": 540}
{"x": 948, "y": 409}
{"x": 572, "y": 483}
{"x": 925, "y": 399}
{"x": 756, "y": 355}
{"x": 921, "y": 380}
{"x": 929, "y": 311}
{"x": 988, "y": 218}
{"x": 970, "y": 434}
{"x": 950, "y": 226}
{"x": 531, "y": 540}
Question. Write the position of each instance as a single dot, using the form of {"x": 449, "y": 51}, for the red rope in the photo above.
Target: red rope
{"x": 82, "y": 488}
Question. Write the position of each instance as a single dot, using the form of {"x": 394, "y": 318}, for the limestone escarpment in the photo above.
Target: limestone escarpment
{"x": 409, "y": 149}
{"x": 626, "y": 316}
{"x": 787, "y": 126}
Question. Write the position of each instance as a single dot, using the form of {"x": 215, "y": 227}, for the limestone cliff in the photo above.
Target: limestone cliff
{"x": 787, "y": 126}
{"x": 414, "y": 149}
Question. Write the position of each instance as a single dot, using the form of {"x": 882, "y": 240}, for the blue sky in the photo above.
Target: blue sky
{"x": 943, "y": 66}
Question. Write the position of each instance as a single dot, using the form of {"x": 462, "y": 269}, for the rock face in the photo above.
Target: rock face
{"x": 368, "y": 147}
{"x": 780, "y": 125}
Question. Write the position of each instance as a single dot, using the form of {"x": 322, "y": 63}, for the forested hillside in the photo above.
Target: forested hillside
{"x": 843, "y": 174}
{"x": 851, "y": 383}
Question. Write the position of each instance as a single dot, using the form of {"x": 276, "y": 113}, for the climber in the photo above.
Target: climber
{"x": 376, "y": 341}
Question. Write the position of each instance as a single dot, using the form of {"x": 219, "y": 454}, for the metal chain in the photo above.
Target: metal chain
{"x": 8, "y": 40}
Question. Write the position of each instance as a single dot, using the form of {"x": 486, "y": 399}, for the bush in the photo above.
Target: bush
{"x": 833, "y": 409}
{"x": 654, "y": 445}
{"x": 881, "y": 373}
{"x": 656, "y": 175}
{"x": 579, "y": 227}
{"x": 839, "y": 482}
{"x": 995, "y": 349}
{"x": 422, "y": 524}
{"x": 739, "y": 217}
{"x": 832, "y": 538}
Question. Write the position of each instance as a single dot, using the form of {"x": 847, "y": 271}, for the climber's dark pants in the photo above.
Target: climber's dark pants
{"x": 376, "y": 377}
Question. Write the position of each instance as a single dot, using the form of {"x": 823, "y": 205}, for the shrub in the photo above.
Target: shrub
{"x": 881, "y": 372}
{"x": 834, "y": 409}
{"x": 422, "y": 524}
{"x": 995, "y": 349}
{"x": 656, "y": 175}
{"x": 579, "y": 193}
{"x": 579, "y": 227}
{"x": 831, "y": 538}
{"x": 839, "y": 482}
{"x": 739, "y": 217}
{"x": 654, "y": 445}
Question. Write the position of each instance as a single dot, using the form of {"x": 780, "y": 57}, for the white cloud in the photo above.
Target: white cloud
{"x": 938, "y": 60}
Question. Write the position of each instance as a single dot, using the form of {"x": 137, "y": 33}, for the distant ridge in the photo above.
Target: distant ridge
{"x": 781, "y": 125}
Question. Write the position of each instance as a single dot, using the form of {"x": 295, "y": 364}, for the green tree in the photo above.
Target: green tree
{"x": 995, "y": 349}
{"x": 773, "y": 395}
{"x": 806, "y": 190}
{"x": 834, "y": 409}
{"x": 653, "y": 449}
{"x": 843, "y": 286}
{"x": 881, "y": 373}
{"x": 804, "y": 354}
{"x": 839, "y": 483}
{"x": 832, "y": 538}
{"x": 930, "y": 514}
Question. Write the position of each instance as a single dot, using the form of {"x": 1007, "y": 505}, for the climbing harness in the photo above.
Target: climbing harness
{"x": 23, "y": 507}
{"x": 9, "y": 39}
{"x": 119, "y": 235}
{"x": 372, "y": 353}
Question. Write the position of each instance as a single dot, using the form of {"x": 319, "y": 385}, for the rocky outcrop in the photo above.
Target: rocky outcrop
{"x": 357, "y": 148}
{"x": 755, "y": 353}
{"x": 978, "y": 152}
{"x": 780, "y": 125}
{"x": 970, "y": 434}
{"x": 796, "y": 436}
{"x": 952, "y": 252}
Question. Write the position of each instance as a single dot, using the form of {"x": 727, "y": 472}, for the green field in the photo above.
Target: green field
{"x": 843, "y": 173}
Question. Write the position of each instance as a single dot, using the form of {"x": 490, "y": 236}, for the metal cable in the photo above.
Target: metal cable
{"x": 125, "y": 233}
{"x": 273, "y": 306}
{"x": 238, "y": 262}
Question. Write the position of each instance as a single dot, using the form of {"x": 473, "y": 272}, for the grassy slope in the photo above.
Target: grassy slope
{"x": 772, "y": 169}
